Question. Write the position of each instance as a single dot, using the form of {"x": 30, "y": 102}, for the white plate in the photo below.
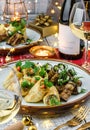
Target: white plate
{"x": 74, "y": 99}
{"x": 31, "y": 34}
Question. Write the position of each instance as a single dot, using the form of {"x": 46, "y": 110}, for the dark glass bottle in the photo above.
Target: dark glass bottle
{"x": 70, "y": 46}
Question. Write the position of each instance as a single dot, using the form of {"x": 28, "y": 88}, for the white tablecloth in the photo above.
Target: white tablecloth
{"x": 49, "y": 123}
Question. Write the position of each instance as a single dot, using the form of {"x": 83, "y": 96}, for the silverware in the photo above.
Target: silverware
{"x": 77, "y": 119}
{"x": 85, "y": 126}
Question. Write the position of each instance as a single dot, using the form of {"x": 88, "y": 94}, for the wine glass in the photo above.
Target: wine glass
{"x": 10, "y": 94}
{"x": 80, "y": 26}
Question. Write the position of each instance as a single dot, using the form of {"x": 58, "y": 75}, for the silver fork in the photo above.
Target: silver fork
{"x": 77, "y": 119}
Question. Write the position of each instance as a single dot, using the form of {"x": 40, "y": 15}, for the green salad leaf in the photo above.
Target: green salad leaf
{"x": 19, "y": 26}
{"x": 19, "y": 63}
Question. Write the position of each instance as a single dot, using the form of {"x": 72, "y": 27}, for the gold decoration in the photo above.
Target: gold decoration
{"x": 43, "y": 20}
{"x": 32, "y": 127}
{"x": 8, "y": 59}
{"x": 27, "y": 120}
{"x": 45, "y": 30}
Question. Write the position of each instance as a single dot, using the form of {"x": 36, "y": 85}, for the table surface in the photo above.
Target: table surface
{"x": 47, "y": 123}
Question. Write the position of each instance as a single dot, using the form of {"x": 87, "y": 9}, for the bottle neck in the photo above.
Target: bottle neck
{"x": 66, "y": 10}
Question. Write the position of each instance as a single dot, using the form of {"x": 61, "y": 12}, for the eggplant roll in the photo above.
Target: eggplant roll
{"x": 52, "y": 92}
{"x": 67, "y": 92}
{"x": 36, "y": 93}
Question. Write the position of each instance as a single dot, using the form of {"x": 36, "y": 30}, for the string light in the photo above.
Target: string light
{"x": 47, "y": 123}
{"x": 56, "y": 3}
{"x": 59, "y": 7}
{"x": 56, "y": 35}
{"x": 52, "y": 11}
{"x": 8, "y": 59}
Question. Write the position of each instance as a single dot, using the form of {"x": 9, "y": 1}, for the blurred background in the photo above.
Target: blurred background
{"x": 35, "y": 7}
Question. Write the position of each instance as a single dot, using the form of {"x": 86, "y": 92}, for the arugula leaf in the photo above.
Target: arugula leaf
{"x": 19, "y": 63}
{"x": 72, "y": 72}
{"x": 83, "y": 90}
{"x": 29, "y": 41}
{"x": 75, "y": 79}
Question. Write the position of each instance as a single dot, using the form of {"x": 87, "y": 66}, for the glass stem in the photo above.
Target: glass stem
{"x": 86, "y": 51}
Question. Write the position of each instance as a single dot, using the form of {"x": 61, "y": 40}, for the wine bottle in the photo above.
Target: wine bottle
{"x": 70, "y": 46}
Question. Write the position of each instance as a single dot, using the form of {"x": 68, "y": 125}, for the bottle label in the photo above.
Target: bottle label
{"x": 68, "y": 43}
{"x": 78, "y": 16}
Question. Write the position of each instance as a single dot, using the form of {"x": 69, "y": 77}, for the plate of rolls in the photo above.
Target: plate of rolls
{"x": 50, "y": 86}
{"x": 17, "y": 37}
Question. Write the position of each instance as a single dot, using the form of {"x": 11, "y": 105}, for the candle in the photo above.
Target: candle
{"x": 42, "y": 51}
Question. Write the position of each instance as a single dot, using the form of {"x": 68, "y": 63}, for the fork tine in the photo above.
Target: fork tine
{"x": 82, "y": 113}
{"x": 81, "y": 109}
{"x": 77, "y": 119}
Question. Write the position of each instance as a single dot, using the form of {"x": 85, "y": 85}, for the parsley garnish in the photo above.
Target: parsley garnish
{"x": 48, "y": 83}
{"x": 28, "y": 64}
{"x": 42, "y": 72}
{"x": 54, "y": 101}
{"x": 26, "y": 84}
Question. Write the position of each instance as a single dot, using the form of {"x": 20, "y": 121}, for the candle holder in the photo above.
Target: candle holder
{"x": 42, "y": 51}
{"x": 15, "y": 10}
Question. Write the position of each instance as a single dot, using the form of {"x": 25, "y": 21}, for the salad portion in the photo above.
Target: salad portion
{"x": 47, "y": 83}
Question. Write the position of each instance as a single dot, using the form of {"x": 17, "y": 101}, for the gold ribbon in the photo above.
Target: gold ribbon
{"x": 43, "y": 20}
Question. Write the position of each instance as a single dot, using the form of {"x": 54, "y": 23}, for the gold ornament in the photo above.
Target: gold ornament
{"x": 32, "y": 127}
{"x": 43, "y": 20}
{"x": 27, "y": 121}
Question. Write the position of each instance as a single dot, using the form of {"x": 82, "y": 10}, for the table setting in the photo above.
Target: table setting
{"x": 47, "y": 122}
{"x": 40, "y": 89}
